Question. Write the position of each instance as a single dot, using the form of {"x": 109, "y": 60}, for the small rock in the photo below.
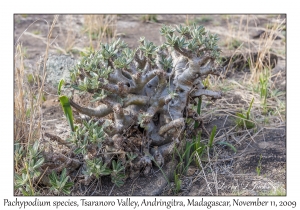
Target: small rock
{"x": 191, "y": 171}
{"x": 59, "y": 131}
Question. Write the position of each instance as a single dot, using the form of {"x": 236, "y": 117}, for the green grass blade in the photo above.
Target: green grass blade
{"x": 199, "y": 105}
{"x": 249, "y": 124}
{"x": 227, "y": 144}
{"x": 177, "y": 183}
{"x": 198, "y": 111}
{"x": 197, "y": 140}
{"x": 162, "y": 171}
{"x": 61, "y": 83}
{"x": 249, "y": 109}
{"x": 241, "y": 116}
{"x": 179, "y": 154}
{"x": 187, "y": 152}
{"x": 65, "y": 103}
{"x": 212, "y": 136}
{"x": 198, "y": 146}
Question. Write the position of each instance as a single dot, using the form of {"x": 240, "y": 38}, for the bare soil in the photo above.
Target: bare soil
{"x": 259, "y": 165}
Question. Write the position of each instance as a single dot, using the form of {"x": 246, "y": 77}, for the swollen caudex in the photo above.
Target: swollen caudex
{"x": 145, "y": 95}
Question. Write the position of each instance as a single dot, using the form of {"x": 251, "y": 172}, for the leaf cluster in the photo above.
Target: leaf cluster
{"x": 143, "y": 119}
{"x": 118, "y": 173}
{"x": 88, "y": 133}
{"x": 148, "y": 48}
{"x": 244, "y": 120}
{"x": 60, "y": 184}
{"x": 32, "y": 161}
{"x": 96, "y": 168}
{"x": 192, "y": 38}
{"x": 166, "y": 62}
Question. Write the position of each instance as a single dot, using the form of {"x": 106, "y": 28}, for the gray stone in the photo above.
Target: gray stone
{"x": 57, "y": 68}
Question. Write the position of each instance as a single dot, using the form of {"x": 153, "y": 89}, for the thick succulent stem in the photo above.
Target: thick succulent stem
{"x": 148, "y": 91}
{"x": 100, "y": 111}
{"x": 205, "y": 92}
{"x": 173, "y": 124}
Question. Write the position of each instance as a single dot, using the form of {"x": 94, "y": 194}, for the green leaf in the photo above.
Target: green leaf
{"x": 30, "y": 78}
{"x": 249, "y": 109}
{"x": 64, "y": 181}
{"x": 241, "y": 116}
{"x": 89, "y": 162}
{"x": 68, "y": 185}
{"x": 25, "y": 177}
{"x": 44, "y": 97}
{"x": 118, "y": 182}
{"x": 118, "y": 179}
{"x": 65, "y": 103}
{"x": 246, "y": 121}
{"x": 131, "y": 156}
{"x": 28, "y": 111}
{"x": 199, "y": 105}
{"x": 66, "y": 191}
{"x": 106, "y": 172}
{"x": 227, "y": 144}
{"x": 38, "y": 163}
{"x": 77, "y": 151}
{"x": 18, "y": 177}
{"x": 250, "y": 125}
{"x": 198, "y": 111}
{"x": 25, "y": 193}
{"x": 76, "y": 87}
{"x": 53, "y": 178}
{"x": 35, "y": 148}
{"x": 198, "y": 145}
{"x": 114, "y": 164}
{"x": 212, "y": 136}
{"x": 63, "y": 175}
{"x": 187, "y": 152}
{"x": 177, "y": 183}
{"x": 179, "y": 154}
{"x": 58, "y": 184}
{"x": 60, "y": 84}
{"x": 36, "y": 174}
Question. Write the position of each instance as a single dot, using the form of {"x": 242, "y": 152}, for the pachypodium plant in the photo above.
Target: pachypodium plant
{"x": 145, "y": 95}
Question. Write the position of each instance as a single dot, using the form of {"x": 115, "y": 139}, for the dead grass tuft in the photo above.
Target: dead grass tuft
{"x": 99, "y": 28}
{"x": 28, "y": 99}
{"x": 265, "y": 43}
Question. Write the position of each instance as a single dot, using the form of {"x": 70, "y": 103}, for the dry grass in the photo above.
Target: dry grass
{"x": 265, "y": 43}
{"x": 100, "y": 28}
{"x": 149, "y": 18}
{"x": 20, "y": 128}
{"x": 248, "y": 86}
{"x": 70, "y": 39}
{"x": 67, "y": 31}
{"x": 29, "y": 93}
{"x": 256, "y": 52}
{"x": 28, "y": 99}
